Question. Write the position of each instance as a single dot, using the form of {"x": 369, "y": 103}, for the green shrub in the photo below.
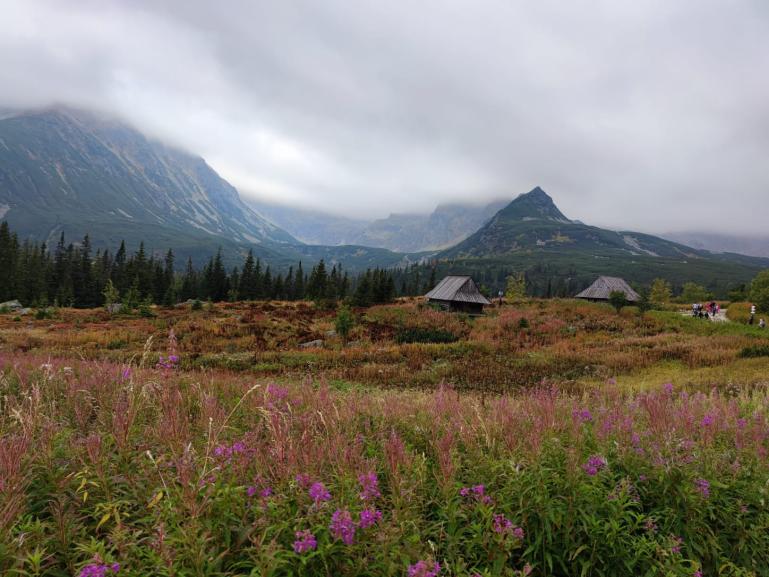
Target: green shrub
{"x": 754, "y": 352}
{"x": 423, "y": 335}
{"x": 43, "y": 314}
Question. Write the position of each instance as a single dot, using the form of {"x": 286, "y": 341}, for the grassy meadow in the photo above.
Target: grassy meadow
{"x": 550, "y": 437}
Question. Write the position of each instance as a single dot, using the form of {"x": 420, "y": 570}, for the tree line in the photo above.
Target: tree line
{"x": 75, "y": 275}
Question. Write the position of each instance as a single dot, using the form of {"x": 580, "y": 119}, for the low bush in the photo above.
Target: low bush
{"x": 738, "y": 312}
{"x": 754, "y": 352}
{"x": 424, "y": 335}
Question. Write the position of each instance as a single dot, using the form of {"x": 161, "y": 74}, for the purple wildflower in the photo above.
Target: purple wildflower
{"x": 99, "y": 569}
{"x": 369, "y": 518}
{"x": 478, "y": 492}
{"x": 703, "y": 486}
{"x": 305, "y": 541}
{"x": 708, "y": 420}
{"x": 342, "y": 526}
{"x": 677, "y": 543}
{"x": 303, "y": 480}
{"x": 502, "y": 524}
{"x": 369, "y": 486}
{"x": 668, "y": 388}
{"x": 126, "y": 373}
{"x": 318, "y": 493}
{"x": 697, "y": 573}
{"x": 582, "y": 415}
{"x": 424, "y": 569}
{"x": 594, "y": 464}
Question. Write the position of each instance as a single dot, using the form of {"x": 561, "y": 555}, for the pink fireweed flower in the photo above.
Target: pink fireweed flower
{"x": 342, "y": 526}
{"x": 594, "y": 464}
{"x": 319, "y": 493}
{"x": 276, "y": 392}
{"x": 305, "y": 541}
{"x": 582, "y": 415}
{"x": 708, "y": 420}
{"x": 369, "y": 518}
{"x": 303, "y": 480}
{"x": 697, "y": 573}
{"x": 369, "y": 487}
{"x": 424, "y": 569}
{"x": 478, "y": 493}
{"x": 264, "y": 492}
{"x": 504, "y": 526}
{"x": 168, "y": 363}
{"x": 703, "y": 486}
{"x": 668, "y": 388}
{"x": 99, "y": 570}
{"x": 677, "y": 543}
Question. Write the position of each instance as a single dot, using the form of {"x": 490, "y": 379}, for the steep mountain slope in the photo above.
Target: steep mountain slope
{"x": 561, "y": 256}
{"x": 447, "y": 225}
{"x": 533, "y": 222}
{"x": 70, "y": 171}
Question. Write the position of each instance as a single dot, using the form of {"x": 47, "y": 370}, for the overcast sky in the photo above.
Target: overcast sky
{"x": 643, "y": 114}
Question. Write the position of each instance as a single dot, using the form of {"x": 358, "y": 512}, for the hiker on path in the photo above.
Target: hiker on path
{"x": 761, "y": 324}
{"x": 752, "y": 314}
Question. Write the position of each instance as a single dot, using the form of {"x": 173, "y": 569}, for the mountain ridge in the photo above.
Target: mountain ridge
{"x": 100, "y": 176}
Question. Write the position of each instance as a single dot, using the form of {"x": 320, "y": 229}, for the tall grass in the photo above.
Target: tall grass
{"x": 203, "y": 473}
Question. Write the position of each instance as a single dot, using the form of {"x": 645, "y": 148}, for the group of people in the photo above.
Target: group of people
{"x": 711, "y": 310}
{"x": 761, "y": 322}
{"x": 706, "y": 311}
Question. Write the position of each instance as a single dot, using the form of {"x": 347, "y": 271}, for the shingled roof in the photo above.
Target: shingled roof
{"x": 604, "y": 286}
{"x": 457, "y": 289}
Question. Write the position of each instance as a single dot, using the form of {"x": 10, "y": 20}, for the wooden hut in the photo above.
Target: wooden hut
{"x": 601, "y": 289}
{"x": 458, "y": 294}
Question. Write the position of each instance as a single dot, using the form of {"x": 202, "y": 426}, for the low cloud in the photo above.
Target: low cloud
{"x": 650, "y": 115}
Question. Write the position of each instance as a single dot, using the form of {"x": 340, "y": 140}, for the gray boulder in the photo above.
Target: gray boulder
{"x": 316, "y": 344}
{"x": 13, "y": 306}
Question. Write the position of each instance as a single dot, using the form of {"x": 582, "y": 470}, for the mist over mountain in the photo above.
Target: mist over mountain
{"x": 447, "y": 225}
{"x": 70, "y": 171}
{"x": 719, "y": 242}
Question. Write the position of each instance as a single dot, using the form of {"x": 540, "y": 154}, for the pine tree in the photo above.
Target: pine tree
{"x": 247, "y": 284}
{"x": 299, "y": 283}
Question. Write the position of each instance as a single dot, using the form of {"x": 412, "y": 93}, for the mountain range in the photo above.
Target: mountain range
{"x": 447, "y": 225}
{"x": 74, "y": 172}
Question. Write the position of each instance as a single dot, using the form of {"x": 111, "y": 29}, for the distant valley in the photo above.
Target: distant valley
{"x": 447, "y": 225}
